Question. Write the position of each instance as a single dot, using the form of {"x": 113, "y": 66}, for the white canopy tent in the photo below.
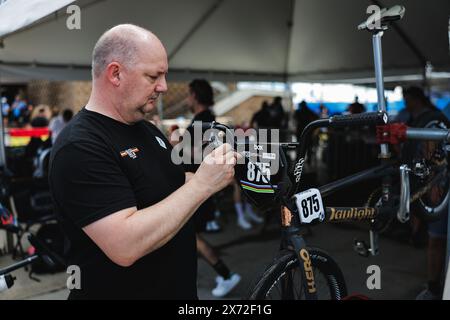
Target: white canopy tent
{"x": 283, "y": 40}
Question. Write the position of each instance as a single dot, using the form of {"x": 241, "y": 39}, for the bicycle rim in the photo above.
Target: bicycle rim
{"x": 284, "y": 281}
{"x": 289, "y": 285}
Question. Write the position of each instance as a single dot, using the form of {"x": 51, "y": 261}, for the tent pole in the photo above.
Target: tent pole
{"x": 287, "y": 82}
{"x": 2, "y": 140}
{"x": 290, "y": 24}
{"x": 4, "y": 172}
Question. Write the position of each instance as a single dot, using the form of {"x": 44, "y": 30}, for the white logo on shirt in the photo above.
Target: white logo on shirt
{"x": 161, "y": 142}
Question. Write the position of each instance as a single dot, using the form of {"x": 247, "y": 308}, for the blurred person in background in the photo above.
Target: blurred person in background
{"x": 356, "y": 107}
{"x": 260, "y": 119}
{"x": 18, "y": 111}
{"x": 40, "y": 116}
{"x": 226, "y": 280}
{"x": 58, "y": 123}
{"x": 419, "y": 111}
{"x": 6, "y": 108}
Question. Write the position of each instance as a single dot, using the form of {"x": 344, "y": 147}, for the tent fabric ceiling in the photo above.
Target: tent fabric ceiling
{"x": 236, "y": 39}
{"x": 326, "y": 38}
{"x": 18, "y": 14}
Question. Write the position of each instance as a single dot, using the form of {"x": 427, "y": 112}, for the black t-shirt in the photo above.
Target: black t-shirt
{"x": 100, "y": 166}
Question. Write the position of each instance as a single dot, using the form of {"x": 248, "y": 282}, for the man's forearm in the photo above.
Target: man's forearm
{"x": 152, "y": 227}
{"x": 130, "y": 234}
{"x": 189, "y": 176}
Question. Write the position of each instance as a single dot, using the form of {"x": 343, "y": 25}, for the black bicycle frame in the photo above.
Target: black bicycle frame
{"x": 372, "y": 173}
{"x": 372, "y": 118}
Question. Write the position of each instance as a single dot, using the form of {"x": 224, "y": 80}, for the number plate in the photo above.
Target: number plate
{"x": 310, "y": 206}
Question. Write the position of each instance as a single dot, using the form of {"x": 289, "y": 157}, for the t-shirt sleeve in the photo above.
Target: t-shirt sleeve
{"x": 88, "y": 184}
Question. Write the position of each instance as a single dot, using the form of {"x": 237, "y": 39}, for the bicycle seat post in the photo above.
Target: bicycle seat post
{"x": 377, "y": 24}
{"x": 379, "y": 78}
{"x": 378, "y": 59}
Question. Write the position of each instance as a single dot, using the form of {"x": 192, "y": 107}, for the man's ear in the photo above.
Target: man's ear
{"x": 113, "y": 73}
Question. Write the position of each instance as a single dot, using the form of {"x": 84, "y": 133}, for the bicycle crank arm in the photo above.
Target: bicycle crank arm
{"x": 405, "y": 195}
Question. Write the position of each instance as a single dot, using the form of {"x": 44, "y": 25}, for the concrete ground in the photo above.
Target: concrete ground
{"x": 403, "y": 267}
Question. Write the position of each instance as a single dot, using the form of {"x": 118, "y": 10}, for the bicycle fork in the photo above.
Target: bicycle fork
{"x": 306, "y": 268}
{"x": 296, "y": 242}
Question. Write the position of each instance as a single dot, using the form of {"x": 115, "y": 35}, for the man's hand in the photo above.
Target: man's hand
{"x": 217, "y": 169}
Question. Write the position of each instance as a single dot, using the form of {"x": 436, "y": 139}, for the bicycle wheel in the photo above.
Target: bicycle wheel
{"x": 432, "y": 203}
{"x": 282, "y": 280}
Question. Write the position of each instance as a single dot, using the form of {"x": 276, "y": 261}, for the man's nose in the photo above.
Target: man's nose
{"x": 162, "y": 85}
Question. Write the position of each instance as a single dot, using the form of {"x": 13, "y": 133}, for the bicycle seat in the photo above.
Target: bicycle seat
{"x": 379, "y": 20}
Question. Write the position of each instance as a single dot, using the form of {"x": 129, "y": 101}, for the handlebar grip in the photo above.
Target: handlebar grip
{"x": 220, "y": 132}
{"x": 362, "y": 119}
{"x": 204, "y": 125}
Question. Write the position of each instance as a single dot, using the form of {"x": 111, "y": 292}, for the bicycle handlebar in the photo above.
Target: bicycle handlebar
{"x": 433, "y": 134}
{"x": 395, "y": 133}
{"x": 362, "y": 119}
{"x": 386, "y": 133}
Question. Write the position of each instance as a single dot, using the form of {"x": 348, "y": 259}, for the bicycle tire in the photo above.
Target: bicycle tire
{"x": 330, "y": 283}
{"x": 429, "y": 206}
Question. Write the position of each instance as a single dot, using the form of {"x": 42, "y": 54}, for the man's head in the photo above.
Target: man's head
{"x": 277, "y": 100}
{"x": 302, "y": 105}
{"x": 67, "y": 115}
{"x": 201, "y": 95}
{"x": 415, "y": 99}
{"x": 129, "y": 66}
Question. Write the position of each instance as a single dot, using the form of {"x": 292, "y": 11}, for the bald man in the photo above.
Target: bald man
{"x": 124, "y": 205}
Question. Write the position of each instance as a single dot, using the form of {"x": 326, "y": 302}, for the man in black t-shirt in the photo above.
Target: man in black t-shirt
{"x": 124, "y": 205}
